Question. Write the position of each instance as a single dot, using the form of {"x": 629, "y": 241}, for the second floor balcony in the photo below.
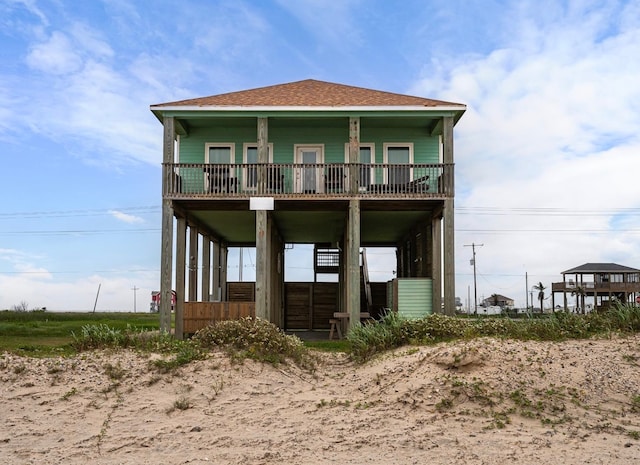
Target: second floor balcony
{"x": 318, "y": 180}
{"x": 591, "y": 288}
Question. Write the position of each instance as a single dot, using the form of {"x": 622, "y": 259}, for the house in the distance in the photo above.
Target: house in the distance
{"x": 597, "y": 283}
{"x": 497, "y": 300}
{"x": 343, "y": 168}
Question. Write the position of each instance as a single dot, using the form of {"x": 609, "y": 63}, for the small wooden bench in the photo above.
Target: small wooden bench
{"x": 339, "y": 322}
{"x": 335, "y": 326}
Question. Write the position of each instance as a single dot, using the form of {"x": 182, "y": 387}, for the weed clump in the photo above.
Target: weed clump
{"x": 103, "y": 336}
{"x": 394, "y": 331}
{"x": 256, "y": 339}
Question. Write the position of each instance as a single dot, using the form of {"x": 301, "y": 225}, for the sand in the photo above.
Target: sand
{"x": 475, "y": 402}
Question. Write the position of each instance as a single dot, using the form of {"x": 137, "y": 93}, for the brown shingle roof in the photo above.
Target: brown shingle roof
{"x": 310, "y": 93}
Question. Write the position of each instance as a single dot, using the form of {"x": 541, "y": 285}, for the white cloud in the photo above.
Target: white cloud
{"x": 125, "y": 217}
{"x": 551, "y": 122}
{"x": 55, "y": 56}
{"x": 116, "y": 292}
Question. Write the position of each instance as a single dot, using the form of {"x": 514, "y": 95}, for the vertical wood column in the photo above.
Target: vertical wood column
{"x": 216, "y": 271}
{"x": 264, "y": 241}
{"x": 206, "y": 268}
{"x": 224, "y": 255}
{"x": 436, "y": 270}
{"x": 354, "y": 154}
{"x": 353, "y": 263}
{"x": 193, "y": 264}
{"x": 263, "y": 245}
{"x": 449, "y": 232}
{"x": 263, "y": 154}
{"x": 166, "y": 252}
{"x": 181, "y": 262}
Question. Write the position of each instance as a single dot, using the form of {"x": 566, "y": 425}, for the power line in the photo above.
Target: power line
{"x": 547, "y": 211}
{"x": 66, "y": 232}
{"x": 87, "y": 212}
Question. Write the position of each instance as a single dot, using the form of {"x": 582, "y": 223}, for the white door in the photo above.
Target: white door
{"x": 309, "y": 175}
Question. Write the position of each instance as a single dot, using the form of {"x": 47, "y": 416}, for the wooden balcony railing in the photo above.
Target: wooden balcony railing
{"x": 199, "y": 180}
{"x": 591, "y": 287}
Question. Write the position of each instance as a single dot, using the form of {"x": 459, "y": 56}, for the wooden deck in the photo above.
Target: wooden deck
{"x": 322, "y": 180}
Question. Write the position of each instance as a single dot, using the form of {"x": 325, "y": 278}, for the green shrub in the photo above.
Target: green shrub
{"x": 256, "y": 339}
{"x": 393, "y": 331}
{"x": 103, "y": 336}
{"x": 183, "y": 353}
{"x": 369, "y": 339}
{"x": 99, "y": 336}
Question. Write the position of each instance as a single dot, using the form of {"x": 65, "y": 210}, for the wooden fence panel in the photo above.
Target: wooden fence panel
{"x": 198, "y": 315}
{"x": 298, "y": 304}
{"x": 325, "y": 304}
{"x": 307, "y": 305}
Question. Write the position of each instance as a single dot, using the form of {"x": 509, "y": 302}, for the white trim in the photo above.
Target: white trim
{"x": 372, "y": 174}
{"x": 385, "y": 156}
{"x": 232, "y": 155}
{"x": 298, "y": 147}
{"x": 319, "y": 175}
{"x": 225, "y": 108}
{"x": 231, "y": 145}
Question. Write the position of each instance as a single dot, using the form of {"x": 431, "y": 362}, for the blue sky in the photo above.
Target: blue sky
{"x": 547, "y": 154}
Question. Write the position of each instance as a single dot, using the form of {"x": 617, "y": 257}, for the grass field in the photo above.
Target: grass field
{"x": 45, "y": 333}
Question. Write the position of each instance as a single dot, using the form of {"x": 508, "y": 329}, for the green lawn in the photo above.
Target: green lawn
{"x": 47, "y": 333}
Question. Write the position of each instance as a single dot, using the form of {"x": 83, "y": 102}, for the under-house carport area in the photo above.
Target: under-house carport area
{"x": 382, "y": 223}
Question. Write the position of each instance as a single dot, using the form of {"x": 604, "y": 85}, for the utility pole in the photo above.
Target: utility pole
{"x": 526, "y": 289}
{"x": 473, "y": 246}
{"x": 96, "y": 302}
{"x": 134, "y": 289}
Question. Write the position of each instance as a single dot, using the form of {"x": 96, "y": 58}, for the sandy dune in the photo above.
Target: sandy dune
{"x": 476, "y": 402}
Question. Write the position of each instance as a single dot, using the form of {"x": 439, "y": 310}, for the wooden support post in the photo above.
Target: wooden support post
{"x": 181, "y": 252}
{"x": 262, "y": 256}
{"x": 354, "y": 154}
{"x": 436, "y": 269}
{"x": 193, "y": 264}
{"x": 263, "y": 154}
{"x": 353, "y": 263}
{"x": 166, "y": 253}
{"x": 216, "y": 272}
{"x": 224, "y": 255}
{"x": 206, "y": 268}
{"x": 449, "y": 232}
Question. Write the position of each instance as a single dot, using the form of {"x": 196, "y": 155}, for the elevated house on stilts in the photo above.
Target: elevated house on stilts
{"x": 343, "y": 168}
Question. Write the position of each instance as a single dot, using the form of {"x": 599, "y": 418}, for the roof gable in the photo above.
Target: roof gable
{"x": 311, "y": 93}
{"x": 601, "y": 268}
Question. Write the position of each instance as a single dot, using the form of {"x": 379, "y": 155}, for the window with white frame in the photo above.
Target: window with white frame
{"x": 400, "y": 154}
{"x": 219, "y": 153}
{"x": 366, "y": 156}
{"x": 219, "y": 178}
{"x": 250, "y": 157}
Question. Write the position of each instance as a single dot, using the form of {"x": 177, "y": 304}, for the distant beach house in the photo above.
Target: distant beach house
{"x": 497, "y": 300}
{"x": 597, "y": 285}
{"x": 339, "y": 167}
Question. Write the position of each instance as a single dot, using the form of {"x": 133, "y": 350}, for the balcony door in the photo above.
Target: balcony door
{"x": 308, "y": 176}
{"x": 218, "y": 175}
{"x": 399, "y": 158}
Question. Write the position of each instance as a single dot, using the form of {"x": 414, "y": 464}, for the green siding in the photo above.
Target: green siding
{"x": 192, "y": 147}
{"x": 414, "y": 297}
